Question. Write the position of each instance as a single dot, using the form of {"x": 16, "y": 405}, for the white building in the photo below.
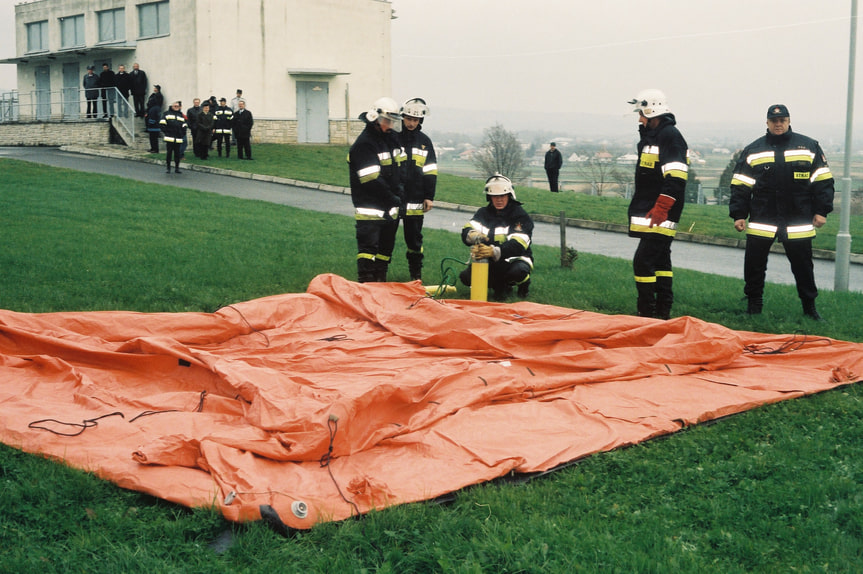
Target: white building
{"x": 305, "y": 66}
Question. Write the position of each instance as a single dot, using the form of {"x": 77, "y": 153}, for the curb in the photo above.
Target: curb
{"x": 855, "y": 258}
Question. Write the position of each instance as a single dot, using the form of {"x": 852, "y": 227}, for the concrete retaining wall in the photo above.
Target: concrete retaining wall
{"x": 54, "y": 134}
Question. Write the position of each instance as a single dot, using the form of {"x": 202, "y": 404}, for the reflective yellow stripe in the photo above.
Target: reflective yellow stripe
{"x": 821, "y": 174}
{"x": 760, "y": 157}
{"x": 744, "y": 180}
{"x": 368, "y": 174}
{"x": 368, "y": 256}
{"x": 668, "y": 274}
{"x": 801, "y": 231}
{"x": 642, "y": 225}
{"x": 761, "y": 230}
{"x": 430, "y": 169}
{"x": 799, "y": 155}
{"x": 368, "y": 214}
{"x": 651, "y": 279}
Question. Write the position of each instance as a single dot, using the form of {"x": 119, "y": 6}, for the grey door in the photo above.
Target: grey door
{"x": 71, "y": 92}
{"x": 43, "y": 92}
{"x": 313, "y": 112}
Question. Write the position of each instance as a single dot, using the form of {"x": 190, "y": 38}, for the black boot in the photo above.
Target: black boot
{"x": 664, "y": 297}
{"x": 381, "y": 270}
{"x": 646, "y": 303}
{"x": 524, "y": 289}
{"x": 415, "y": 265}
{"x": 810, "y": 311}
{"x": 754, "y": 305}
{"x": 365, "y": 270}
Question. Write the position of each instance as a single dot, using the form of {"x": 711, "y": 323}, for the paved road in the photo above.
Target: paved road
{"x": 726, "y": 261}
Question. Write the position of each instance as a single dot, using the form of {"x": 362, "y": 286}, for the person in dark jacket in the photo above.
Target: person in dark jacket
{"x": 419, "y": 169}
{"x": 91, "y": 92}
{"x": 192, "y": 119}
{"x": 375, "y": 189}
{"x": 243, "y": 122}
{"x": 501, "y": 232}
{"x": 783, "y": 185}
{"x": 153, "y": 117}
{"x": 139, "y": 90}
{"x": 156, "y": 98}
{"x": 124, "y": 86}
{"x": 654, "y": 212}
{"x": 173, "y": 124}
{"x": 224, "y": 119}
{"x": 553, "y": 163}
{"x": 204, "y": 132}
{"x": 108, "y": 81}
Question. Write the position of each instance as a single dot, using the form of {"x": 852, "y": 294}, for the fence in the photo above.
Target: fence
{"x": 68, "y": 105}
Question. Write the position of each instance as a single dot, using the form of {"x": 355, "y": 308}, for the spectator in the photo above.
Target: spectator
{"x": 124, "y": 86}
{"x": 156, "y": 98}
{"x": 553, "y": 163}
{"x": 192, "y": 119}
{"x": 243, "y": 122}
{"x": 139, "y": 90}
{"x": 154, "y": 116}
{"x": 91, "y": 92}
{"x": 204, "y": 132}
{"x": 108, "y": 82}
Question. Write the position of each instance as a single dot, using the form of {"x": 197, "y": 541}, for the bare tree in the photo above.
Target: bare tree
{"x": 500, "y": 153}
{"x": 603, "y": 175}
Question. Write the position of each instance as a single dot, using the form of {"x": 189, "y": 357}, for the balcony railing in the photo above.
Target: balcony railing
{"x": 68, "y": 105}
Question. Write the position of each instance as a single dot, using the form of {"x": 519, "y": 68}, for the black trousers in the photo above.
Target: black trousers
{"x": 799, "y": 254}
{"x": 154, "y": 141}
{"x": 501, "y": 274}
{"x": 553, "y": 175}
{"x": 244, "y": 147}
{"x": 654, "y": 277}
{"x": 92, "y": 107}
{"x": 139, "y": 104}
{"x": 227, "y": 139}
{"x": 173, "y": 151}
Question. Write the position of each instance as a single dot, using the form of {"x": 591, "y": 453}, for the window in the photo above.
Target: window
{"x": 37, "y": 36}
{"x": 153, "y": 19}
{"x": 112, "y": 25}
{"x": 72, "y": 31}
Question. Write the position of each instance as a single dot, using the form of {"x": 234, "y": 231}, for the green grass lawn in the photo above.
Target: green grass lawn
{"x": 776, "y": 489}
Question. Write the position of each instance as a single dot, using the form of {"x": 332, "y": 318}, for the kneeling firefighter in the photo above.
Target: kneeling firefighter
{"x": 501, "y": 232}
{"x": 376, "y": 188}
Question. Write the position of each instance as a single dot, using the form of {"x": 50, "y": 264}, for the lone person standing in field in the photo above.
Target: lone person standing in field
{"x": 654, "y": 212}
{"x": 553, "y": 163}
{"x": 783, "y": 185}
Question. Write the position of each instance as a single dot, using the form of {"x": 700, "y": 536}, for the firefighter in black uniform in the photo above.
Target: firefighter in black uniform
{"x": 654, "y": 212}
{"x": 375, "y": 189}
{"x": 501, "y": 232}
{"x": 419, "y": 170}
{"x": 173, "y": 126}
{"x": 223, "y": 123}
{"x": 783, "y": 184}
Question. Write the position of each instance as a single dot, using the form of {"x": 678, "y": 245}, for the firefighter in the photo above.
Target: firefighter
{"x": 375, "y": 188}
{"x": 783, "y": 184}
{"x": 654, "y": 212}
{"x": 173, "y": 125}
{"x": 223, "y": 122}
{"x": 501, "y": 232}
{"x": 420, "y": 178}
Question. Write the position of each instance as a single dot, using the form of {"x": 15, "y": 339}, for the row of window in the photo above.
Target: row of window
{"x": 153, "y": 20}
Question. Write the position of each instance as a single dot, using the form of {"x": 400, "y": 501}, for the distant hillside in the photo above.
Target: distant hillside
{"x": 613, "y": 128}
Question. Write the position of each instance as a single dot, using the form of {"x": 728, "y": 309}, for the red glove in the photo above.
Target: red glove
{"x": 659, "y": 213}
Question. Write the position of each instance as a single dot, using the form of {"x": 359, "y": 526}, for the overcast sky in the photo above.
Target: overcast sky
{"x": 715, "y": 60}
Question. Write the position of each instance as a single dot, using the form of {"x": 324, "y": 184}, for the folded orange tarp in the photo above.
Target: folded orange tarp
{"x": 358, "y": 396}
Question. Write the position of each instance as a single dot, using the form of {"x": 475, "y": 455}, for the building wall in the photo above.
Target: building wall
{"x": 54, "y": 134}
{"x": 217, "y": 46}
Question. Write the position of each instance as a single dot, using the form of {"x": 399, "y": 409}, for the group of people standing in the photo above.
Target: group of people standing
{"x": 105, "y": 85}
{"x": 209, "y": 123}
{"x": 782, "y": 190}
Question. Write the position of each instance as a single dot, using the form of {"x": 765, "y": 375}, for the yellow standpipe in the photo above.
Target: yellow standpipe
{"x": 479, "y": 280}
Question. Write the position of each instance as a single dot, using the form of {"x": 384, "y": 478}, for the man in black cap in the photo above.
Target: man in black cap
{"x": 783, "y": 185}
{"x": 553, "y": 163}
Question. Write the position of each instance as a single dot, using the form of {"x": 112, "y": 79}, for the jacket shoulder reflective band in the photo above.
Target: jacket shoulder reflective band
{"x": 642, "y": 225}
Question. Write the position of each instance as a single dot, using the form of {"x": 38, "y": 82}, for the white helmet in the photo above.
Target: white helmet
{"x": 386, "y": 108}
{"x": 651, "y": 103}
{"x": 415, "y": 108}
{"x": 498, "y": 185}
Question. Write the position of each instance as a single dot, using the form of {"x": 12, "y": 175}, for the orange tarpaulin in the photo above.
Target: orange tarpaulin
{"x": 354, "y": 396}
